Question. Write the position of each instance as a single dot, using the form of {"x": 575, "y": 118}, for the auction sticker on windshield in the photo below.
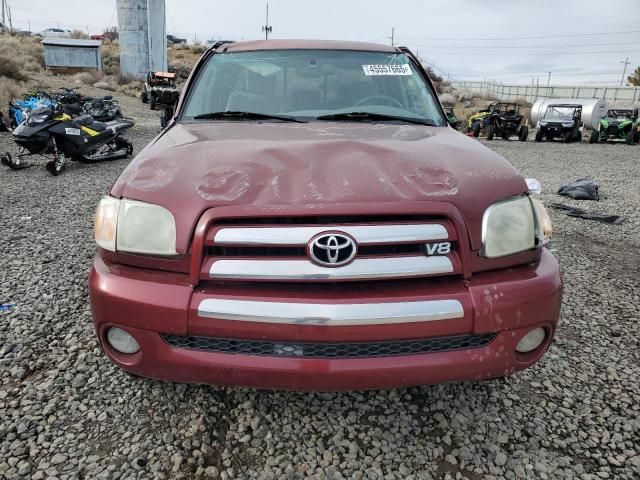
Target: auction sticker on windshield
{"x": 370, "y": 70}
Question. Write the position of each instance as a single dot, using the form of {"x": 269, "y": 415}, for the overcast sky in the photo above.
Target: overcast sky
{"x": 578, "y": 41}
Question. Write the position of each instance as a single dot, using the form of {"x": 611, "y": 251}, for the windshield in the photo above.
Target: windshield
{"x": 559, "y": 112}
{"x": 307, "y": 84}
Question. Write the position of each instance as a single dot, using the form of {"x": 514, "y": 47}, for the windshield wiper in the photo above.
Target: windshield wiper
{"x": 236, "y": 115}
{"x": 369, "y": 116}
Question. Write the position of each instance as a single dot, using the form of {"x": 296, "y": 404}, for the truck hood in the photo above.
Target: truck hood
{"x": 195, "y": 166}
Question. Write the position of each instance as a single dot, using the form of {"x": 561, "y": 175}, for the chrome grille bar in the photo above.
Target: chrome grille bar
{"x": 359, "y": 269}
{"x": 363, "y": 234}
{"x": 330, "y": 314}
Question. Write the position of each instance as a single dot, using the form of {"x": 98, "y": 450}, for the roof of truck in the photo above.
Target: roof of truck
{"x": 306, "y": 45}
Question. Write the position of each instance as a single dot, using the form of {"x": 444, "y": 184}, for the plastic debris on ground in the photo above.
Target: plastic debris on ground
{"x": 579, "y": 213}
{"x": 581, "y": 189}
{"x": 533, "y": 185}
{"x": 6, "y": 307}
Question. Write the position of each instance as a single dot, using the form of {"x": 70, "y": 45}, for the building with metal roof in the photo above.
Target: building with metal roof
{"x": 72, "y": 54}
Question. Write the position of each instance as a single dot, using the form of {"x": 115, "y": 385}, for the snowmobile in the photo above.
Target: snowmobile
{"x": 52, "y": 132}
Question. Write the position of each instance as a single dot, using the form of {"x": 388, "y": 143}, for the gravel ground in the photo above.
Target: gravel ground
{"x": 66, "y": 412}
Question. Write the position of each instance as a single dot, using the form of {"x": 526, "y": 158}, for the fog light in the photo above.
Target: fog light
{"x": 122, "y": 341}
{"x": 531, "y": 340}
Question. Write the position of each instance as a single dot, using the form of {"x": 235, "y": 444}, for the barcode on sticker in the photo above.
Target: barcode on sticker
{"x": 370, "y": 70}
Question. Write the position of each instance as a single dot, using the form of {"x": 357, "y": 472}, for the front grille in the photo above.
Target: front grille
{"x": 281, "y": 250}
{"x": 363, "y": 250}
{"x": 329, "y": 350}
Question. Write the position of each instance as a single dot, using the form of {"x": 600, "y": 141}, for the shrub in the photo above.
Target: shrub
{"x": 10, "y": 68}
{"x": 88, "y": 78}
{"x": 19, "y": 56}
{"x": 78, "y": 34}
{"x": 181, "y": 68}
{"x": 9, "y": 91}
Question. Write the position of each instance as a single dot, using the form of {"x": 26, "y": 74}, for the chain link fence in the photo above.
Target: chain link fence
{"x": 530, "y": 93}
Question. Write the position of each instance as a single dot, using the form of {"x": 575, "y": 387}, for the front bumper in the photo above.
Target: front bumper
{"x": 506, "y": 303}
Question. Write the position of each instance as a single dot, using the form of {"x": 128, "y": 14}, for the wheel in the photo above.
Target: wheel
{"x": 152, "y": 103}
{"x": 144, "y": 97}
{"x": 523, "y": 133}
{"x": 630, "y": 137}
{"x": 568, "y": 137}
{"x": 476, "y": 129}
{"x": 579, "y": 136}
{"x": 539, "y": 135}
{"x": 594, "y": 137}
{"x": 491, "y": 131}
{"x": 6, "y": 159}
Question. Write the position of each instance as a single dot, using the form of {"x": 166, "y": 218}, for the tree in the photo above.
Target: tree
{"x": 634, "y": 78}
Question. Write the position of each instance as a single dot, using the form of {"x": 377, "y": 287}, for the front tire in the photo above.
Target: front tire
{"x": 631, "y": 137}
{"x": 523, "y": 133}
{"x": 490, "y": 132}
{"x": 595, "y": 136}
{"x": 144, "y": 97}
{"x": 539, "y": 135}
{"x": 476, "y": 129}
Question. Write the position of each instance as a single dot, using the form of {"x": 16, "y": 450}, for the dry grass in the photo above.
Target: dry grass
{"x": 182, "y": 58}
{"x": 110, "y": 57}
{"x": 9, "y": 91}
{"x": 78, "y": 34}
{"x": 87, "y": 78}
{"x": 19, "y": 57}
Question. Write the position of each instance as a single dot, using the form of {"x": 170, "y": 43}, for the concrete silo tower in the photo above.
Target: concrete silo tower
{"x": 143, "y": 38}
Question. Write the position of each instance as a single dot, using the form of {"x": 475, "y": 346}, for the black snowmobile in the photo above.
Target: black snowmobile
{"x": 53, "y": 132}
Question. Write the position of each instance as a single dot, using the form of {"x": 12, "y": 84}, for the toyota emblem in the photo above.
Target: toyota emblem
{"x": 332, "y": 249}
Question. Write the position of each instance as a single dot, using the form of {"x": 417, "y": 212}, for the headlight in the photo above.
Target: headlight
{"x": 508, "y": 227}
{"x": 544, "y": 228}
{"x": 135, "y": 227}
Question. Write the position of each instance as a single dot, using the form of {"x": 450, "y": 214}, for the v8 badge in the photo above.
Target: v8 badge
{"x": 442, "y": 248}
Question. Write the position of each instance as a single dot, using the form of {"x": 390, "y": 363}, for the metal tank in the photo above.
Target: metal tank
{"x": 134, "y": 37}
{"x": 157, "y": 35}
{"x": 593, "y": 109}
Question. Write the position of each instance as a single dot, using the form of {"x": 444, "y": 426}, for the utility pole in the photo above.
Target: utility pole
{"x": 4, "y": 22}
{"x": 392, "y": 37}
{"x": 267, "y": 29}
{"x": 624, "y": 72}
{"x": 548, "y": 79}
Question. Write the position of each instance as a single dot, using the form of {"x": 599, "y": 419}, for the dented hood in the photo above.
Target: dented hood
{"x": 192, "y": 167}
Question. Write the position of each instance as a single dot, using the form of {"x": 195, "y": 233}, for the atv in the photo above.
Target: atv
{"x": 160, "y": 90}
{"x": 561, "y": 121}
{"x": 477, "y": 121}
{"x": 505, "y": 121}
{"x": 618, "y": 124}
{"x": 451, "y": 116}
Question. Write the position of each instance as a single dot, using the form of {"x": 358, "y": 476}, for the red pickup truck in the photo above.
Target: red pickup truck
{"x": 308, "y": 220}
